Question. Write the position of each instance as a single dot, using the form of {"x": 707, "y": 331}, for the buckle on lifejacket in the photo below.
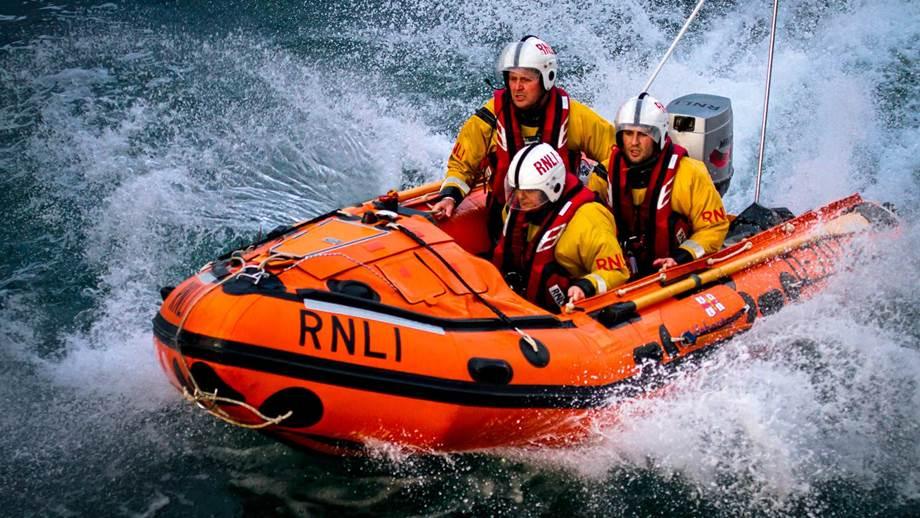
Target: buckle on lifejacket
{"x": 632, "y": 247}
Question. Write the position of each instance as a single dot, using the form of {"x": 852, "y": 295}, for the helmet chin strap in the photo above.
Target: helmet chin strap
{"x": 537, "y": 215}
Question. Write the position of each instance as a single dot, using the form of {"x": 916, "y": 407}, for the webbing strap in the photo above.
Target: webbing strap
{"x": 487, "y": 116}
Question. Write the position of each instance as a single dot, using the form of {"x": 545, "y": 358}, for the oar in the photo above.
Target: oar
{"x": 844, "y": 225}
{"x": 419, "y": 190}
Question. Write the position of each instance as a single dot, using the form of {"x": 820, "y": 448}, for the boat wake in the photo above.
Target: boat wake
{"x": 133, "y": 149}
{"x": 812, "y": 402}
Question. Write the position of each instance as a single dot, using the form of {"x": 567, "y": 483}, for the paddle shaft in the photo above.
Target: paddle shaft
{"x": 847, "y": 224}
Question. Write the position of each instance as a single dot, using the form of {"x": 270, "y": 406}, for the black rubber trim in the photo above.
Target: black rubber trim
{"x": 699, "y": 288}
{"x": 878, "y": 216}
{"x": 791, "y": 285}
{"x": 752, "y": 306}
{"x": 617, "y": 314}
{"x": 320, "y": 370}
{"x": 538, "y": 358}
{"x": 697, "y": 281}
{"x": 731, "y": 319}
{"x": 490, "y": 371}
{"x": 352, "y": 288}
{"x": 305, "y": 406}
{"x": 165, "y": 291}
{"x": 667, "y": 343}
{"x": 404, "y": 211}
{"x": 209, "y": 381}
{"x": 246, "y": 286}
{"x": 408, "y": 211}
{"x": 648, "y": 352}
{"x": 770, "y": 302}
{"x": 429, "y": 388}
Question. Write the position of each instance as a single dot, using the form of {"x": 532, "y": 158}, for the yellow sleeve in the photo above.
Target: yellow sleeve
{"x": 588, "y": 248}
{"x": 472, "y": 145}
{"x": 696, "y": 197}
{"x": 590, "y": 133}
{"x": 587, "y": 132}
{"x": 599, "y": 185}
{"x": 595, "y": 136}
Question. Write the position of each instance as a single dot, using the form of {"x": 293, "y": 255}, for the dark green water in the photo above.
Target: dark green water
{"x": 139, "y": 139}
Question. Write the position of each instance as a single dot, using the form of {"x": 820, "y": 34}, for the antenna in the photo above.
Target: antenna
{"x": 673, "y": 44}
{"x": 766, "y": 104}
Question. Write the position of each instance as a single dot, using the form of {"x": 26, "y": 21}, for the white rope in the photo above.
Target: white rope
{"x": 255, "y": 272}
{"x": 529, "y": 339}
{"x": 661, "y": 277}
{"x": 200, "y": 397}
{"x": 713, "y": 260}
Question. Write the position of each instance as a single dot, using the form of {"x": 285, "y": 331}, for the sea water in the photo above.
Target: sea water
{"x": 138, "y": 140}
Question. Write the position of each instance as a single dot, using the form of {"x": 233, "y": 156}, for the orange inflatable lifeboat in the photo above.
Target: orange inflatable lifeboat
{"x": 375, "y": 324}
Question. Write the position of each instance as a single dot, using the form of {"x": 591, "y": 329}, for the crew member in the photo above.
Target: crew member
{"x": 666, "y": 207}
{"x": 558, "y": 242}
{"x": 531, "y": 108}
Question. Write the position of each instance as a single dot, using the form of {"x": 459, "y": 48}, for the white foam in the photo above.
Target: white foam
{"x": 148, "y": 179}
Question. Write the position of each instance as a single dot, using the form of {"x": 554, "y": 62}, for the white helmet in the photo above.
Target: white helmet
{"x": 530, "y": 52}
{"x": 535, "y": 177}
{"x": 646, "y": 114}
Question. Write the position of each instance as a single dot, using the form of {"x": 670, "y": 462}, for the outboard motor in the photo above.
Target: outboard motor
{"x": 702, "y": 124}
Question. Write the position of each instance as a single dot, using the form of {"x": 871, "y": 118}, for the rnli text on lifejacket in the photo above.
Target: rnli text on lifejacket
{"x": 347, "y": 335}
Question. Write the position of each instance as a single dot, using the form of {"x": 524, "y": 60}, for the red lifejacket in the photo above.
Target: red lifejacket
{"x": 553, "y": 130}
{"x": 531, "y": 267}
{"x": 648, "y": 231}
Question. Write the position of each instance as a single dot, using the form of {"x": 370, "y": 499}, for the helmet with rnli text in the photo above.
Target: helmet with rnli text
{"x": 643, "y": 113}
{"x": 531, "y": 52}
{"x": 535, "y": 177}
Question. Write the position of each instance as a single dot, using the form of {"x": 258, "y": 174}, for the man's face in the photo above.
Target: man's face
{"x": 528, "y": 199}
{"x": 637, "y": 145}
{"x": 526, "y": 88}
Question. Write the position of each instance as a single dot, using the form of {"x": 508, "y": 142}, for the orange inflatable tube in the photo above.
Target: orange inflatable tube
{"x": 374, "y": 323}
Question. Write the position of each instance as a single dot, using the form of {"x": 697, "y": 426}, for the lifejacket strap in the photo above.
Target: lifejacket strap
{"x": 487, "y": 116}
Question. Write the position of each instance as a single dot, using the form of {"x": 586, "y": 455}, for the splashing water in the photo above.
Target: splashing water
{"x": 138, "y": 142}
